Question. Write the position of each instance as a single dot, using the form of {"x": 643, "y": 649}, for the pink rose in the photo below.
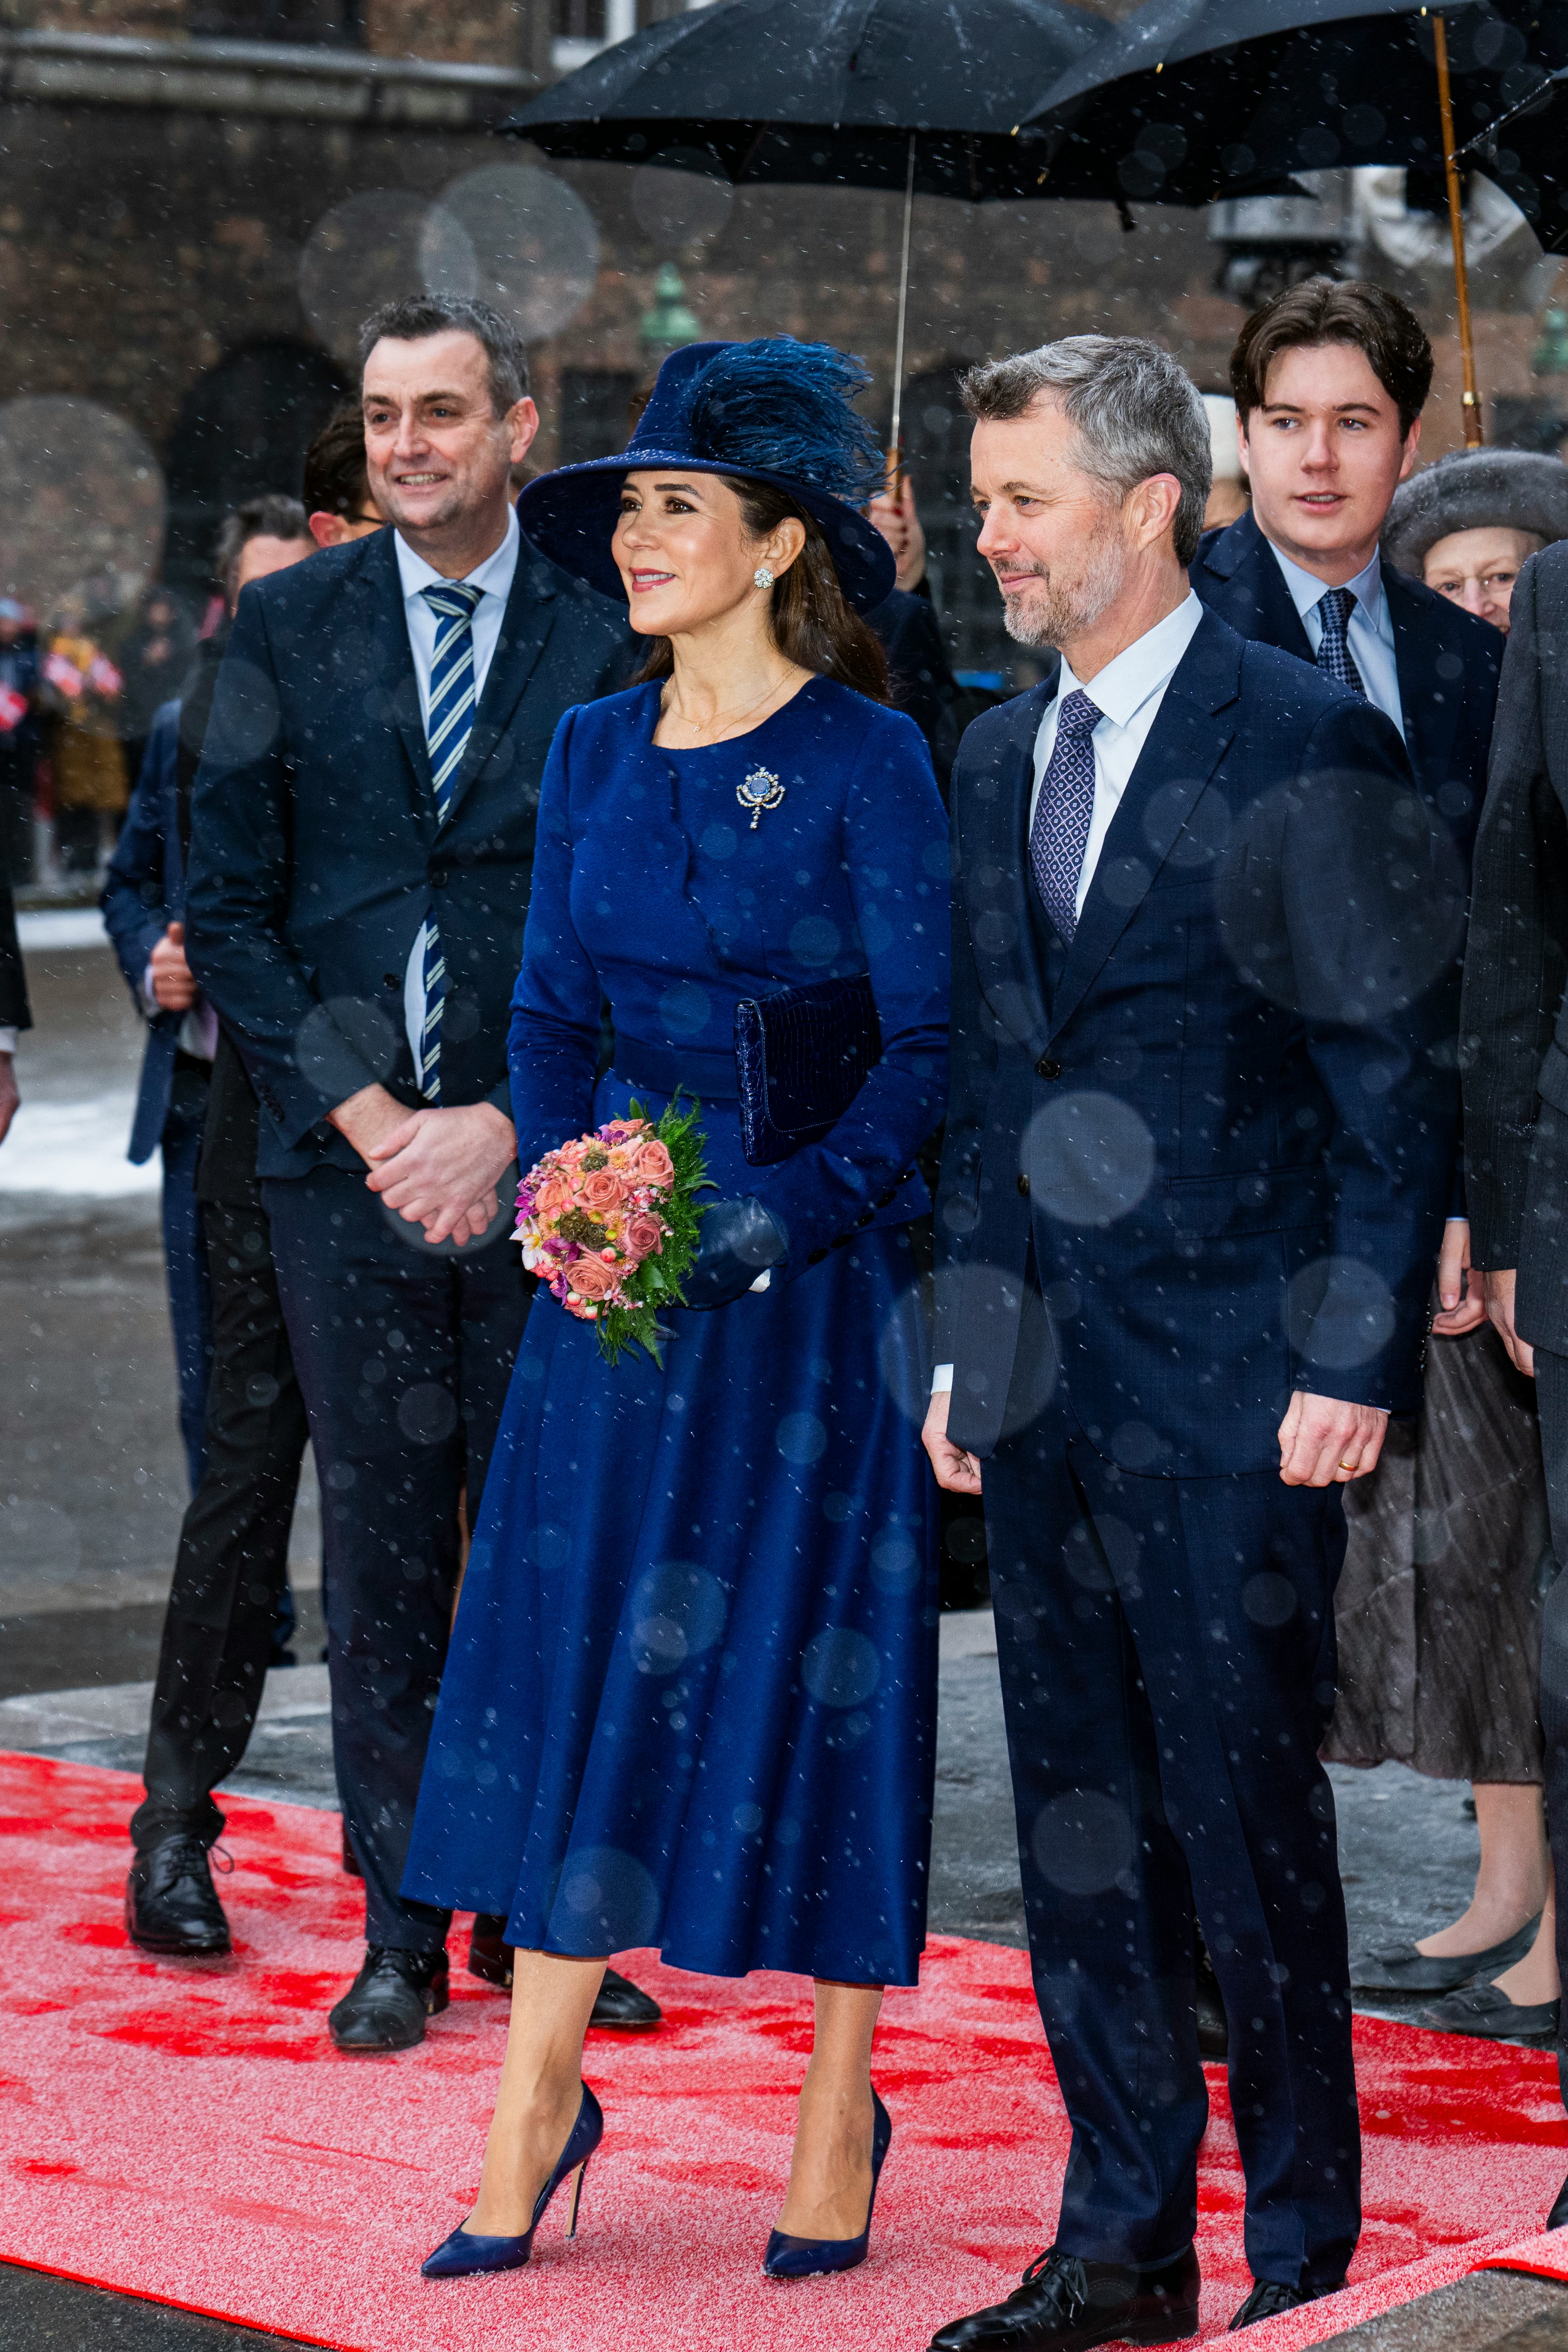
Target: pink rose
{"x": 644, "y": 1235}
{"x": 601, "y": 1191}
{"x": 653, "y": 1164}
{"x": 552, "y": 1197}
{"x": 590, "y": 1277}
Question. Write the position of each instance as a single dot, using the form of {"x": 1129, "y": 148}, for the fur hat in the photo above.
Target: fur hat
{"x": 772, "y": 411}
{"x": 1476, "y": 489}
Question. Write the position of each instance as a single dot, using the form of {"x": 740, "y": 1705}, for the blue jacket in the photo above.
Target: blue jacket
{"x": 316, "y": 854}
{"x": 144, "y": 894}
{"x": 1218, "y": 1121}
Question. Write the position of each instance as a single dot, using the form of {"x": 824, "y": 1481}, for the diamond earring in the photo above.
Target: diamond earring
{"x": 762, "y": 577}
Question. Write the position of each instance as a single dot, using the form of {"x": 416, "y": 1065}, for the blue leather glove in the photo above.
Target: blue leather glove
{"x": 737, "y": 1240}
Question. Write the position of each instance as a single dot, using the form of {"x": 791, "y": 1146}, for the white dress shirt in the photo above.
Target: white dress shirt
{"x": 7, "y": 1041}
{"x": 1369, "y": 633}
{"x": 1129, "y": 690}
{"x": 494, "y": 576}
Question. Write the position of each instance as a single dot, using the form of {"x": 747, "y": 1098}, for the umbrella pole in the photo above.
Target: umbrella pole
{"x": 896, "y": 449}
{"x": 1472, "y": 402}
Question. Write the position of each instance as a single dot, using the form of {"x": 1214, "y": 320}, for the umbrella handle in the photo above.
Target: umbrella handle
{"x": 1471, "y": 397}
{"x": 896, "y": 446}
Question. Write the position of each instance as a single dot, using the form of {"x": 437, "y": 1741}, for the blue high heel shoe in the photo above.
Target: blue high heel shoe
{"x": 812, "y": 2257}
{"x": 463, "y": 2253}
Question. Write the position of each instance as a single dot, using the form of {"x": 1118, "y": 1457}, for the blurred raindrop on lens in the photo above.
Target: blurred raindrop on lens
{"x": 680, "y": 198}
{"x": 370, "y": 249}
{"x": 83, "y": 513}
{"x": 516, "y": 237}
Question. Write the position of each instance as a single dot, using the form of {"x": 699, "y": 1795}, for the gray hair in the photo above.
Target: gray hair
{"x": 1134, "y": 411}
{"x": 418, "y": 316}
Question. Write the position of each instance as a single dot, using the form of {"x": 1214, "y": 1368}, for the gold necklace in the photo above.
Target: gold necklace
{"x": 732, "y": 721}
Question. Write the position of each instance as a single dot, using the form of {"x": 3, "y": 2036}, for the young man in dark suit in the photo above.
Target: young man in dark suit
{"x": 364, "y": 838}
{"x": 1514, "y": 1040}
{"x": 1185, "y": 1234}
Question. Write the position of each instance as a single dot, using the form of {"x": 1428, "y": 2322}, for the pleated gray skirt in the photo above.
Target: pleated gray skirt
{"x": 1437, "y": 1612}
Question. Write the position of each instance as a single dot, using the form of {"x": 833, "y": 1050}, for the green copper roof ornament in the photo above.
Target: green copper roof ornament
{"x": 672, "y": 322}
{"x": 1549, "y": 356}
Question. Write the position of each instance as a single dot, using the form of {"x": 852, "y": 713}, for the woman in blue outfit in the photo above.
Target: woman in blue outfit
{"x": 690, "y": 1696}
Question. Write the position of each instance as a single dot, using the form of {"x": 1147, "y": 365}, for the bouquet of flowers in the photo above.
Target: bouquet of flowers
{"x": 610, "y": 1223}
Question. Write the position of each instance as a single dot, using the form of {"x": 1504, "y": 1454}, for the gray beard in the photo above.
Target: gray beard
{"x": 1065, "y": 613}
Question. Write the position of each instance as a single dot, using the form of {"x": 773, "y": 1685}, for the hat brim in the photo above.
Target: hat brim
{"x": 570, "y": 516}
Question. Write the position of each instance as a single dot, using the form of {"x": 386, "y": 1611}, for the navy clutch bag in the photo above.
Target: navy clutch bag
{"x": 801, "y": 1058}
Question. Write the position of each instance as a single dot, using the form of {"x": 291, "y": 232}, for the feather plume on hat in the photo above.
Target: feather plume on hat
{"x": 1476, "y": 489}
{"x": 776, "y": 407}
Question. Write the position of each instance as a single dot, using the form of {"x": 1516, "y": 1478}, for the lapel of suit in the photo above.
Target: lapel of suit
{"x": 380, "y": 584}
{"x": 1259, "y": 605}
{"x": 1429, "y": 713}
{"x": 526, "y": 624}
{"x": 993, "y": 842}
{"x": 1184, "y": 746}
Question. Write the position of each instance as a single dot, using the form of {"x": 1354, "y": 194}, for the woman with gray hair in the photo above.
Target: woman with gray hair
{"x": 1439, "y": 1610}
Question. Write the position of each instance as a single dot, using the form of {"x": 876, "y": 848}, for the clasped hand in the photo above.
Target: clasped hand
{"x": 437, "y": 1168}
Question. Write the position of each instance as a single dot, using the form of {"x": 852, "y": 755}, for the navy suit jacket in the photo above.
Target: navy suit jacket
{"x": 145, "y": 892}
{"x": 1224, "y": 1133}
{"x": 1448, "y": 662}
{"x": 316, "y": 854}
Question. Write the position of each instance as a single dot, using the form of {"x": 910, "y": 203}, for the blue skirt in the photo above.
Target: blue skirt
{"x": 690, "y": 1699}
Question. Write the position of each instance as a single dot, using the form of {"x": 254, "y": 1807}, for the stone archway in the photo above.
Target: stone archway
{"x": 244, "y": 427}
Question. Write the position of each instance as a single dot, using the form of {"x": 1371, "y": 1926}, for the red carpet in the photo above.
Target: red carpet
{"x": 184, "y": 2131}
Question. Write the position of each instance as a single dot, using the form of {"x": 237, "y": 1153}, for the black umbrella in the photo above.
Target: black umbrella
{"x": 1525, "y": 151}
{"x": 917, "y": 96}
{"x": 1192, "y": 101}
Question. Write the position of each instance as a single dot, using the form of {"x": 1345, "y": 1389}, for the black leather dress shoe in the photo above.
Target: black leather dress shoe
{"x": 1065, "y": 2304}
{"x": 1268, "y": 2299}
{"x": 1486, "y": 2010}
{"x": 171, "y": 1903}
{"x": 387, "y": 2003}
{"x": 1214, "y": 2026}
{"x": 1400, "y": 1968}
{"x": 622, "y": 2006}
{"x": 1558, "y": 2216}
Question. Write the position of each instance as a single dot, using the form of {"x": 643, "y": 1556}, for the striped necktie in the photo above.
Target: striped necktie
{"x": 447, "y": 730}
{"x": 1064, "y": 812}
{"x": 1335, "y": 609}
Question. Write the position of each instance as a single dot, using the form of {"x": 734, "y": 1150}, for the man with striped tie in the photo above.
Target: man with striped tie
{"x": 1196, "y": 1149}
{"x": 361, "y": 851}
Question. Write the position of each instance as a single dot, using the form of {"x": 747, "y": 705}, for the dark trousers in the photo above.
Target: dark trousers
{"x": 1166, "y": 1648}
{"x": 233, "y": 1563}
{"x": 185, "y": 1262}
{"x": 1551, "y": 1392}
{"x": 404, "y": 1354}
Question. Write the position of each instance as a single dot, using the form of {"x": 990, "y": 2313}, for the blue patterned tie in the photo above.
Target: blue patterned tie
{"x": 446, "y": 732}
{"x": 1059, "y": 834}
{"x": 1335, "y": 609}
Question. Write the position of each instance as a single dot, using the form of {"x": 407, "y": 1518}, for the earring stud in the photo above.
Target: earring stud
{"x": 762, "y": 577}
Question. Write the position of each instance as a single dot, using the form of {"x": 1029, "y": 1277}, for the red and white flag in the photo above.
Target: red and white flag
{"x": 13, "y": 710}
{"x": 63, "y": 675}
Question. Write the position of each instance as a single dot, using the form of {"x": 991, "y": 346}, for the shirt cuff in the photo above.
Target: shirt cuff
{"x": 7, "y": 1041}
{"x": 150, "y": 1004}
{"x": 942, "y": 1380}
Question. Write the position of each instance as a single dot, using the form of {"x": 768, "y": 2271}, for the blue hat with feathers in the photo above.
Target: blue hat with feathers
{"x": 773, "y": 411}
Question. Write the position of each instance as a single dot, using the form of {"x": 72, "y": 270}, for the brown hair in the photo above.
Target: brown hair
{"x": 813, "y": 624}
{"x": 1375, "y": 322}
{"x": 336, "y": 479}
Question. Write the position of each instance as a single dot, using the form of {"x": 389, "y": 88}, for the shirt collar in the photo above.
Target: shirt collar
{"x": 1141, "y": 668}
{"x": 1306, "y": 588}
{"x": 493, "y": 575}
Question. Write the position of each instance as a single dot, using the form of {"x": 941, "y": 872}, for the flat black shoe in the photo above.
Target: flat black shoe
{"x": 1486, "y": 2012}
{"x": 1065, "y": 2304}
{"x": 1400, "y": 1968}
{"x": 171, "y": 1903}
{"x": 1558, "y": 2216}
{"x": 1268, "y": 2299}
{"x": 1214, "y": 2026}
{"x": 387, "y": 2003}
{"x": 622, "y": 2006}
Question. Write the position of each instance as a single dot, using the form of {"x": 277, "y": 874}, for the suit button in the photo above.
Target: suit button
{"x": 865, "y": 1216}
{"x": 814, "y": 1257}
{"x": 1023, "y": 1186}
{"x": 841, "y": 1241}
{"x": 1046, "y": 1068}
{"x": 389, "y": 980}
{"x": 437, "y": 878}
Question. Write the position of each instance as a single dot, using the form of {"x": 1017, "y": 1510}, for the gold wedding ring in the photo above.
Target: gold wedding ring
{"x": 1349, "y": 1466}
